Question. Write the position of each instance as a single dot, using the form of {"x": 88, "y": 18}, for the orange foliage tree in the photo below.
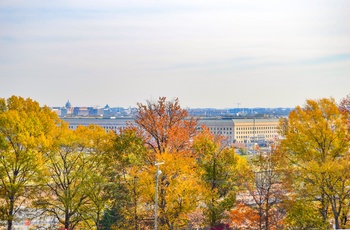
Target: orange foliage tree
{"x": 166, "y": 127}
{"x": 244, "y": 217}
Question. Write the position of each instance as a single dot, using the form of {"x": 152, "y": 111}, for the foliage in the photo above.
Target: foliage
{"x": 178, "y": 189}
{"x": 303, "y": 215}
{"x": 315, "y": 140}
{"x": 244, "y": 217}
{"x": 75, "y": 186}
{"x": 128, "y": 160}
{"x": 26, "y": 132}
{"x": 266, "y": 182}
{"x": 165, "y": 125}
{"x": 243, "y": 151}
{"x": 218, "y": 168}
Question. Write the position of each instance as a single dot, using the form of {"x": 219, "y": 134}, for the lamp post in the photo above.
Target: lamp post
{"x": 158, "y": 173}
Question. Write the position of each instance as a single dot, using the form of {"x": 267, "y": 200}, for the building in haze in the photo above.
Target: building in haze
{"x": 237, "y": 130}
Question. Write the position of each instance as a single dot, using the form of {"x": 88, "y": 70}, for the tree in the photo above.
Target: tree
{"x": 244, "y": 217}
{"x": 26, "y": 132}
{"x": 75, "y": 184}
{"x": 344, "y": 107}
{"x": 344, "y": 104}
{"x": 128, "y": 160}
{"x": 179, "y": 189}
{"x": 165, "y": 125}
{"x": 315, "y": 141}
{"x": 98, "y": 145}
{"x": 266, "y": 181}
{"x": 218, "y": 168}
{"x": 303, "y": 214}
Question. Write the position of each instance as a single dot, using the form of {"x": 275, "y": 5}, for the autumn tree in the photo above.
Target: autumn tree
{"x": 266, "y": 182}
{"x": 26, "y": 132}
{"x": 218, "y": 167}
{"x": 75, "y": 186}
{"x": 133, "y": 188}
{"x": 179, "y": 189}
{"x": 344, "y": 107}
{"x": 344, "y": 104}
{"x": 98, "y": 145}
{"x": 315, "y": 143}
{"x": 165, "y": 125}
{"x": 242, "y": 216}
{"x": 303, "y": 214}
{"x": 127, "y": 161}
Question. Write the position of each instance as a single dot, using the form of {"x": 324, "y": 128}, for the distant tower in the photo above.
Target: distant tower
{"x": 68, "y": 105}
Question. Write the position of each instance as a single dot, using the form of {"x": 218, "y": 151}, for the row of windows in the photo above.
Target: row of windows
{"x": 221, "y": 128}
{"x": 105, "y": 127}
{"x": 257, "y": 128}
{"x": 257, "y": 132}
{"x": 219, "y": 132}
{"x": 248, "y": 137}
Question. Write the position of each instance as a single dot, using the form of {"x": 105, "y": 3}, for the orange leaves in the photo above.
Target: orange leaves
{"x": 244, "y": 217}
{"x": 166, "y": 126}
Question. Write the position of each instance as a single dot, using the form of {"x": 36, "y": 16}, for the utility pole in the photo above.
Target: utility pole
{"x": 254, "y": 134}
{"x": 158, "y": 173}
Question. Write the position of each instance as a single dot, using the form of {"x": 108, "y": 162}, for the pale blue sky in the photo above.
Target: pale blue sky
{"x": 272, "y": 53}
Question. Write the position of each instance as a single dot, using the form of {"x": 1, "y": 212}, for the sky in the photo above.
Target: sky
{"x": 206, "y": 53}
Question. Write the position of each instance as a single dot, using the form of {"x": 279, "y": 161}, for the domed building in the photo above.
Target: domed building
{"x": 68, "y": 105}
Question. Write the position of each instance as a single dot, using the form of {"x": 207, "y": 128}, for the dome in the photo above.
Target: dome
{"x": 68, "y": 105}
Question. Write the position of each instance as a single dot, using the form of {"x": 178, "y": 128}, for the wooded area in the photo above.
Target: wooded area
{"x": 90, "y": 179}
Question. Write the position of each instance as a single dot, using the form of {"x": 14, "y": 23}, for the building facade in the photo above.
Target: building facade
{"x": 233, "y": 130}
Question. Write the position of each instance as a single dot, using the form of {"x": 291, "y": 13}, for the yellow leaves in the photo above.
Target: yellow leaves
{"x": 205, "y": 142}
{"x": 316, "y": 132}
{"x": 315, "y": 142}
{"x": 178, "y": 186}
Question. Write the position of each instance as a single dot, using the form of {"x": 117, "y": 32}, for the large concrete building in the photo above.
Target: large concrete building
{"x": 244, "y": 130}
{"x": 234, "y": 130}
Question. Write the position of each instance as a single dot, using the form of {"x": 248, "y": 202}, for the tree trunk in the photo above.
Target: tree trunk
{"x": 66, "y": 220}
{"x": 10, "y": 213}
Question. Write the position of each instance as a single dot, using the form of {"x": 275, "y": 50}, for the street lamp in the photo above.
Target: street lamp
{"x": 158, "y": 173}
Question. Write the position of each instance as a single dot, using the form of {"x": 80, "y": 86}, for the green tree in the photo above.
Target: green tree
{"x": 303, "y": 214}
{"x": 219, "y": 168}
{"x": 75, "y": 188}
{"x": 315, "y": 140}
{"x": 26, "y": 132}
{"x": 98, "y": 145}
{"x": 127, "y": 161}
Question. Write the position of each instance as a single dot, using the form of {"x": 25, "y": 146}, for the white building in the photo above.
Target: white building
{"x": 234, "y": 130}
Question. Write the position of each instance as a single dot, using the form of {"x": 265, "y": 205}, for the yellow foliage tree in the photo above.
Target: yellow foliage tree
{"x": 26, "y": 132}
{"x": 315, "y": 140}
{"x": 76, "y": 183}
{"x": 218, "y": 167}
{"x": 178, "y": 189}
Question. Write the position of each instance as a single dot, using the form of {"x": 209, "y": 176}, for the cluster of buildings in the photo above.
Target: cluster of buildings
{"x": 92, "y": 111}
{"x": 109, "y": 112}
{"x": 238, "y": 129}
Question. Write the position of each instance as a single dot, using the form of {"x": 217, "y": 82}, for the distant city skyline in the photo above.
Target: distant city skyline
{"x": 135, "y": 106}
{"x": 209, "y": 54}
